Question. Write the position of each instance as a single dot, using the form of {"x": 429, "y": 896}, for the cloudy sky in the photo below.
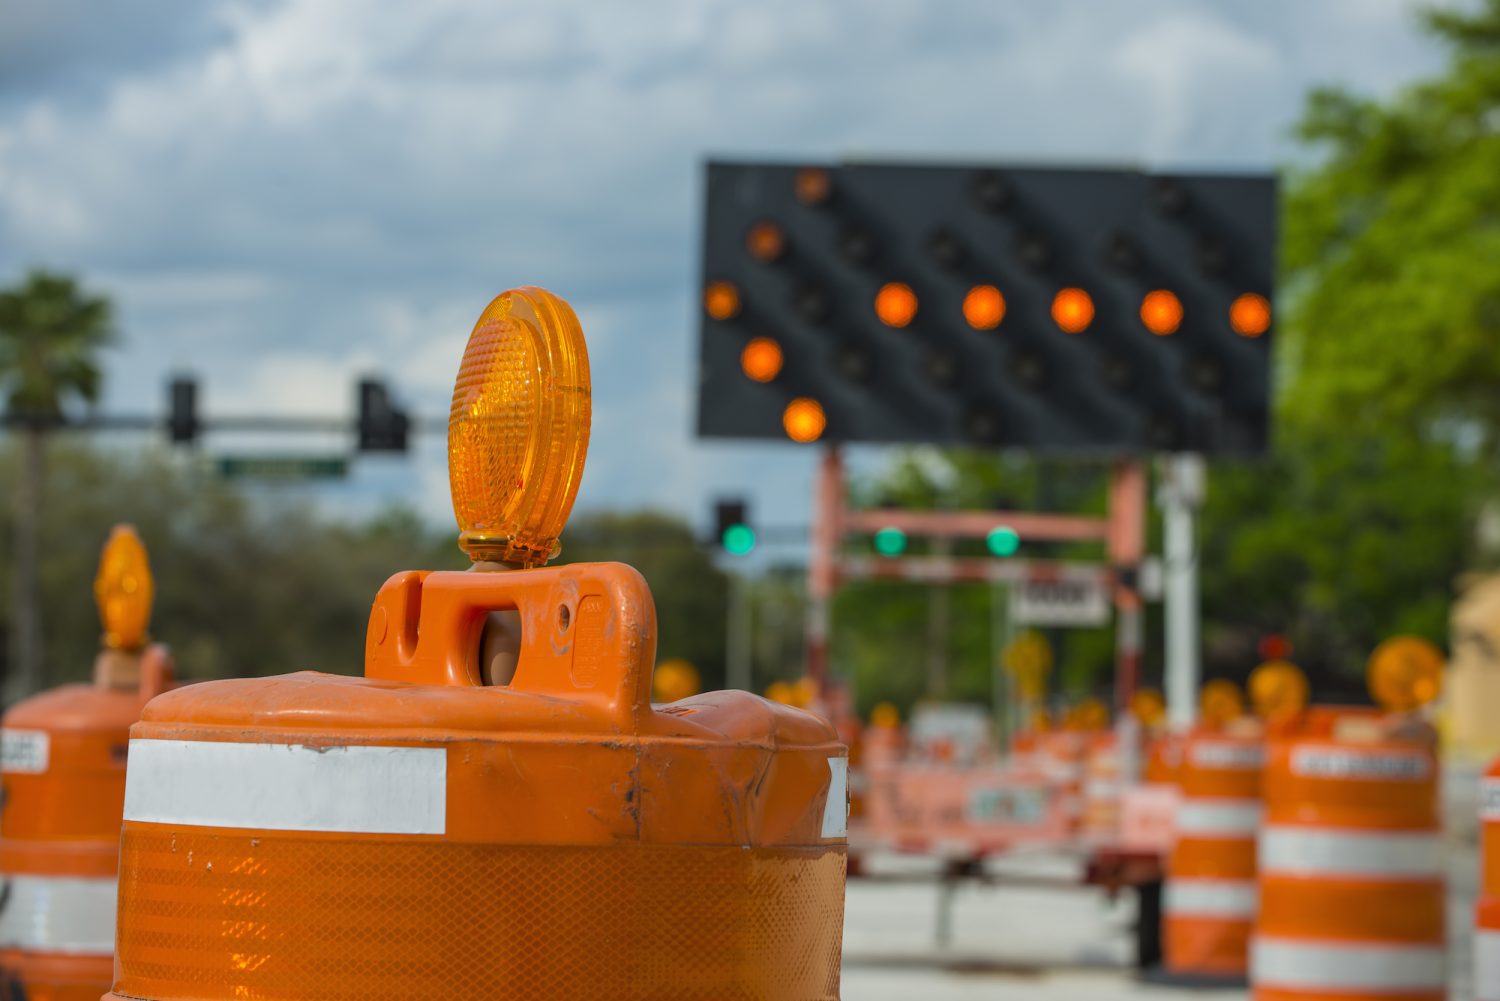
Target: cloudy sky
{"x": 281, "y": 196}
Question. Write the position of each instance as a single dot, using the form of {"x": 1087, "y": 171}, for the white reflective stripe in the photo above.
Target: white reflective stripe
{"x": 1369, "y": 766}
{"x": 288, "y": 787}
{"x": 1376, "y": 968}
{"x": 1215, "y": 898}
{"x": 1223, "y": 754}
{"x": 1489, "y": 799}
{"x": 24, "y": 751}
{"x": 1305, "y": 851}
{"x": 58, "y": 914}
{"x": 1218, "y": 817}
{"x": 836, "y": 807}
{"x": 1486, "y": 965}
{"x": 1102, "y": 788}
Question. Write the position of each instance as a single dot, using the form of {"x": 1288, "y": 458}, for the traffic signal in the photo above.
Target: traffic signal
{"x": 1002, "y": 541}
{"x": 732, "y": 529}
{"x": 889, "y": 541}
{"x": 182, "y": 410}
{"x": 1054, "y": 310}
{"x": 382, "y": 425}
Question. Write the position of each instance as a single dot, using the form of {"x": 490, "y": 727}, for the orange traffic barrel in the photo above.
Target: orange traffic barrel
{"x": 1102, "y": 787}
{"x": 415, "y": 834}
{"x": 62, "y": 782}
{"x": 1486, "y": 969}
{"x": 1209, "y": 897}
{"x": 1351, "y": 873}
{"x": 484, "y": 819}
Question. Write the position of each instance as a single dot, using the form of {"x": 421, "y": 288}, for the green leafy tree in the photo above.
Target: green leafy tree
{"x": 51, "y": 334}
{"x": 1391, "y": 240}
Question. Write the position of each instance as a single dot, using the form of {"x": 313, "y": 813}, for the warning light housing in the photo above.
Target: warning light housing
{"x": 1221, "y": 702}
{"x": 124, "y": 590}
{"x": 1278, "y": 691}
{"x": 1405, "y": 673}
{"x": 518, "y": 431}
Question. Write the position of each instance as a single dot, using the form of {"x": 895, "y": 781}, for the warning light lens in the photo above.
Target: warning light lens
{"x": 1250, "y": 315}
{"x": 1003, "y": 541}
{"x": 1089, "y": 715}
{"x": 885, "y": 716}
{"x": 1278, "y": 690}
{"x": 721, "y": 300}
{"x": 518, "y": 431}
{"x": 984, "y": 307}
{"x": 674, "y": 680}
{"x": 124, "y": 590}
{"x": 804, "y": 419}
{"x": 1148, "y": 707}
{"x": 761, "y": 359}
{"x": 765, "y": 241}
{"x": 1161, "y": 312}
{"x": 1072, "y": 310}
{"x": 890, "y": 541}
{"x": 812, "y": 185}
{"x": 1405, "y": 672}
{"x": 895, "y": 304}
{"x": 738, "y": 540}
{"x": 1220, "y": 702}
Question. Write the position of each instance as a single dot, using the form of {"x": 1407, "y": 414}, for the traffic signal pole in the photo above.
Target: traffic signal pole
{"x": 827, "y": 530}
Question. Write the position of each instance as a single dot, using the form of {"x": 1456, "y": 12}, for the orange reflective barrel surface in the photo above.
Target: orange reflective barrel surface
{"x": 1486, "y": 969}
{"x": 1351, "y": 875}
{"x": 1208, "y": 902}
{"x": 62, "y": 763}
{"x": 413, "y": 835}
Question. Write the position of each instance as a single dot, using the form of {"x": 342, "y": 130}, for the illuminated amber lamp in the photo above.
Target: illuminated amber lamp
{"x": 761, "y": 359}
{"x": 765, "y": 241}
{"x": 721, "y": 300}
{"x": 812, "y": 185}
{"x": 675, "y": 680}
{"x": 1250, "y": 315}
{"x": 886, "y": 716}
{"x": 896, "y": 304}
{"x": 804, "y": 419}
{"x": 1278, "y": 690}
{"x": 1161, "y": 312}
{"x": 1090, "y": 715}
{"x": 984, "y": 307}
{"x": 124, "y": 590}
{"x": 1220, "y": 702}
{"x": 518, "y": 431}
{"x": 1072, "y": 310}
{"x": 1405, "y": 673}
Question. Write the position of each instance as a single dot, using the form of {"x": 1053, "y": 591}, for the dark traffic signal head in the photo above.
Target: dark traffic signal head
{"x": 1104, "y": 311}
{"x": 732, "y": 531}
{"x": 382, "y": 426}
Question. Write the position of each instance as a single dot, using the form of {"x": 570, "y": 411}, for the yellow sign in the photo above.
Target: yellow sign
{"x": 1028, "y": 659}
{"x": 1405, "y": 672}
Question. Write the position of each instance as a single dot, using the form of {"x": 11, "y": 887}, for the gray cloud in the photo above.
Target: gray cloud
{"x": 283, "y": 195}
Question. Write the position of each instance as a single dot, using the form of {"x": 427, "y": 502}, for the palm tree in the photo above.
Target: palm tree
{"x": 51, "y": 333}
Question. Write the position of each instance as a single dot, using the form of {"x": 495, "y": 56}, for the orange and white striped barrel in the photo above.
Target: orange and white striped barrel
{"x": 1486, "y": 969}
{"x": 1351, "y": 874}
{"x": 62, "y": 767}
{"x": 1208, "y": 903}
{"x": 1103, "y": 784}
{"x": 417, "y": 834}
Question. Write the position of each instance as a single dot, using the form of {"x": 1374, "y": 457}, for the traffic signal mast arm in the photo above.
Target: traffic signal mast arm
{"x": 979, "y": 524}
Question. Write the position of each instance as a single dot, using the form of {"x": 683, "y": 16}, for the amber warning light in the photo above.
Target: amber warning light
{"x": 518, "y": 432}
{"x": 124, "y": 590}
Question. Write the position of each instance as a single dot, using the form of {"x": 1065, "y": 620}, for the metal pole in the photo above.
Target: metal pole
{"x": 1127, "y": 548}
{"x": 737, "y": 656}
{"x": 1181, "y": 493}
{"x": 937, "y": 629}
{"x": 828, "y": 505}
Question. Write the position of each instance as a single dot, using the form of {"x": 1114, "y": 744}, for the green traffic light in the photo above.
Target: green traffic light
{"x": 1003, "y": 541}
{"x": 890, "y": 542}
{"x": 738, "y": 540}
